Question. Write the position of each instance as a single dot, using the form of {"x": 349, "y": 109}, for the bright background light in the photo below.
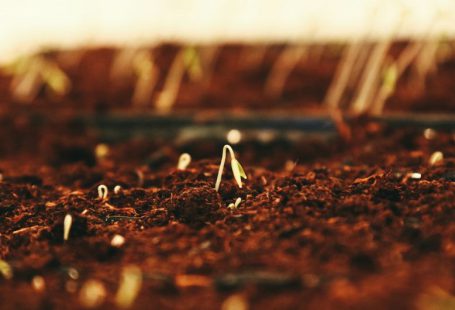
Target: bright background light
{"x": 30, "y": 25}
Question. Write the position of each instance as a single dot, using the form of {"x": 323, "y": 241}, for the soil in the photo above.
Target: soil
{"x": 237, "y": 80}
{"x": 322, "y": 223}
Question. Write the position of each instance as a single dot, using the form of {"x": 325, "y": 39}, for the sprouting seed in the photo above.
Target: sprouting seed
{"x": 67, "y": 222}
{"x": 237, "y": 169}
{"x": 436, "y": 158}
{"x": 130, "y": 285}
{"x": 92, "y": 294}
{"x": 5, "y": 270}
{"x": 184, "y": 161}
{"x": 38, "y": 283}
{"x": 235, "y": 204}
{"x": 117, "y": 189}
{"x": 102, "y": 192}
{"x": 117, "y": 241}
{"x": 416, "y": 175}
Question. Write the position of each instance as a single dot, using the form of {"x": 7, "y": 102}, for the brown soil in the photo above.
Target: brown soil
{"x": 346, "y": 228}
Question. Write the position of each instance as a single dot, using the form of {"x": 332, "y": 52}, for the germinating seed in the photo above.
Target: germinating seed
{"x": 184, "y": 161}
{"x": 102, "y": 192}
{"x": 67, "y": 222}
{"x": 117, "y": 189}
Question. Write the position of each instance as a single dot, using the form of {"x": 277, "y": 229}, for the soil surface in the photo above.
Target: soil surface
{"x": 322, "y": 223}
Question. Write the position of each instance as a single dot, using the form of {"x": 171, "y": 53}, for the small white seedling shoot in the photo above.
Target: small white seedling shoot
{"x": 235, "y": 204}
{"x": 67, "y": 222}
{"x": 117, "y": 241}
{"x": 237, "y": 169}
{"x": 130, "y": 285}
{"x": 117, "y": 189}
{"x": 416, "y": 175}
{"x": 436, "y": 158}
{"x": 184, "y": 161}
{"x": 102, "y": 192}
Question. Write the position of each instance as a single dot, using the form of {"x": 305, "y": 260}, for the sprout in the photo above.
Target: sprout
{"x": 5, "y": 270}
{"x": 67, "y": 222}
{"x": 436, "y": 158}
{"x": 184, "y": 161}
{"x": 38, "y": 283}
{"x": 416, "y": 175}
{"x": 102, "y": 192}
{"x": 117, "y": 241}
{"x": 92, "y": 294}
{"x": 129, "y": 287}
{"x": 237, "y": 168}
{"x": 117, "y": 189}
{"x": 236, "y": 204}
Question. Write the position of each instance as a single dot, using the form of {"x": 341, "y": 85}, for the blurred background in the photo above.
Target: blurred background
{"x": 365, "y": 56}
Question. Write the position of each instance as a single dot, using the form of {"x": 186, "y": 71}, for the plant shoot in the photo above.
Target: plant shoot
{"x": 237, "y": 169}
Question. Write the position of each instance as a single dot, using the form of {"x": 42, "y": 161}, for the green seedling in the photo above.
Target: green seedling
{"x": 237, "y": 169}
{"x": 192, "y": 63}
{"x": 67, "y": 222}
{"x": 31, "y": 74}
{"x": 130, "y": 285}
{"x": 102, "y": 192}
{"x": 184, "y": 161}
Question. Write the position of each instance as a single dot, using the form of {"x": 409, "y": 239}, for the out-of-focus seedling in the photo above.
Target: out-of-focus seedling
{"x": 67, "y": 222}
{"x": 38, "y": 283}
{"x": 184, "y": 161}
{"x": 237, "y": 169}
{"x": 130, "y": 285}
{"x": 31, "y": 74}
{"x": 102, "y": 192}
{"x": 147, "y": 77}
{"x": 5, "y": 270}
{"x": 436, "y": 158}
{"x": 192, "y": 62}
{"x": 92, "y": 294}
